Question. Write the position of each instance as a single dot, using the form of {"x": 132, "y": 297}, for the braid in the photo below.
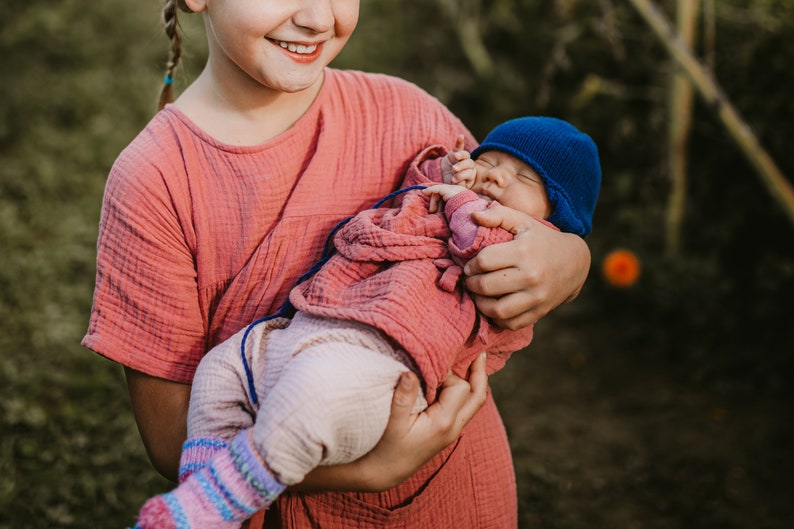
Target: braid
{"x": 171, "y": 24}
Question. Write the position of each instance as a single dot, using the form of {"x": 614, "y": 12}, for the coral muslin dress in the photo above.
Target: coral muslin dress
{"x": 198, "y": 238}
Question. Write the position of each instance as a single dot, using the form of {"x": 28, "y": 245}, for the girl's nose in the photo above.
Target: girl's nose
{"x": 315, "y": 15}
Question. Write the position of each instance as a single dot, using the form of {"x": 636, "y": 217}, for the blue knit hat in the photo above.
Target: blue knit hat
{"x": 564, "y": 157}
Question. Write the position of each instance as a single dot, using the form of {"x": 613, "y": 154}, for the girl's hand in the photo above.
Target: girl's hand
{"x": 410, "y": 440}
{"x": 518, "y": 282}
{"x": 457, "y": 167}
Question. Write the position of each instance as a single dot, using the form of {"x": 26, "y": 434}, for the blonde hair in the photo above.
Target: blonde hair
{"x": 172, "y": 30}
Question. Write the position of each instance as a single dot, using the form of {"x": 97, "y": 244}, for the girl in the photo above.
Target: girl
{"x": 217, "y": 207}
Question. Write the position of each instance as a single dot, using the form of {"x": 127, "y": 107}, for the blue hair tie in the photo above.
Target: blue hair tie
{"x": 168, "y": 79}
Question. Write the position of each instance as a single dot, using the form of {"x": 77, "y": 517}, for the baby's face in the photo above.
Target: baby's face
{"x": 512, "y": 182}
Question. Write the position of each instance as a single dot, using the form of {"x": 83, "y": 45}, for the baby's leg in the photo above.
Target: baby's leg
{"x": 220, "y": 400}
{"x": 325, "y": 396}
{"x": 232, "y": 486}
{"x": 222, "y": 479}
{"x": 330, "y": 404}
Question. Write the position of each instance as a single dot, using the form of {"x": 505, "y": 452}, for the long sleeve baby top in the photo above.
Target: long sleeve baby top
{"x": 399, "y": 269}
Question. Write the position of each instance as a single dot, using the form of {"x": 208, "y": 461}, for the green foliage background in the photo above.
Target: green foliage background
{"x": 79, "y": 79}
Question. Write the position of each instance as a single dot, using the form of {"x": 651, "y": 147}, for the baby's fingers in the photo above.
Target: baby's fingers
{"x": 434, "y": 205}
{"x": 460, "y": 142}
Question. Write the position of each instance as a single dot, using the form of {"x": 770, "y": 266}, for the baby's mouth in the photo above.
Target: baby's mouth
{"x": 484, "y": 194}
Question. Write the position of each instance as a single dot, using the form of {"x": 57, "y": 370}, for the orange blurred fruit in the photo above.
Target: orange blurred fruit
{"x": 621, "y": 268}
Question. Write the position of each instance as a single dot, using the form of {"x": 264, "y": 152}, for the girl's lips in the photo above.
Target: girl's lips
{"x": 299, "y": 52}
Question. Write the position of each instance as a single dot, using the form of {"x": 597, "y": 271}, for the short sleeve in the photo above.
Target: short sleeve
{"x": 146, "y": 311}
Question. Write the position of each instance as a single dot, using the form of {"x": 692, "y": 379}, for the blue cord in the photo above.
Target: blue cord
{"x": 286, "y": 307}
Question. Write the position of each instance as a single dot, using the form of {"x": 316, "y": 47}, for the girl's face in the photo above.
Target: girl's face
{"x": 513, "y": 183}
{"x": 282, "y": 45}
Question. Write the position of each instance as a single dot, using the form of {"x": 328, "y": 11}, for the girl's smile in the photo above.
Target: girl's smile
{"x": 299, "y": 52}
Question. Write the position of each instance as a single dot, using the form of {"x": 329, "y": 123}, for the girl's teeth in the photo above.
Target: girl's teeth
{"x": 298, "y": 48}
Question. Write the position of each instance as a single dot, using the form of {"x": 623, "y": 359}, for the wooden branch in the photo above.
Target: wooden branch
{"x": 710, "y": 34}
{"x": 680, "y": 110}
{"x": 777, "y": 184}
{"x": 465, "y": 18}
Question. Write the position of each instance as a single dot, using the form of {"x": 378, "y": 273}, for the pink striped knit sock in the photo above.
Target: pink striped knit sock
{"x": 196, "y": 454}
{"x": 223, "y": 494}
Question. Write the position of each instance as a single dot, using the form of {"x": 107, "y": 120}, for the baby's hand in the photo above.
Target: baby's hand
{"x": 439, "y": 193}
{"x": 457, "y": 167}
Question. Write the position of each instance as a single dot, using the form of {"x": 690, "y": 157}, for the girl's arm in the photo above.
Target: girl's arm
{"x": 160, "y": 409}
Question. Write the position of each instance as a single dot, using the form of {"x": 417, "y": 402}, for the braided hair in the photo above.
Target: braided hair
{"x": 173, "y": 31}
